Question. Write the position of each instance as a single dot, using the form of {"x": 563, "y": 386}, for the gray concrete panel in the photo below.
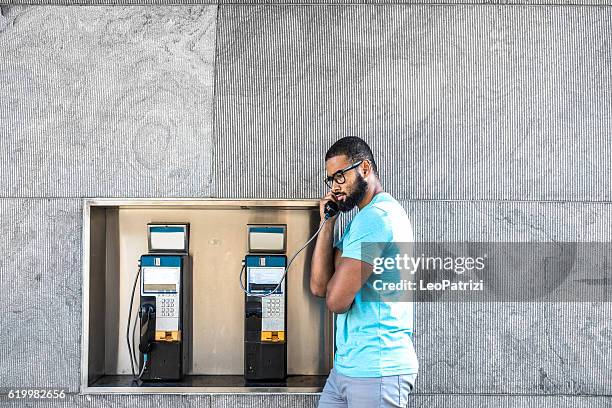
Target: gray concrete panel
{"x": 106, "y": 101}
{"x": 513, "y": 348}
{"x": 40, "y": 288}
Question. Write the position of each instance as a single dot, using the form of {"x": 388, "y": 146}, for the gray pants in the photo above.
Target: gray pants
{"x": 341, "y": 391}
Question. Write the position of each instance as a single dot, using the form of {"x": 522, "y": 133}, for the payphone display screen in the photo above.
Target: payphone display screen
{"x": 159, "y": 287}
{"x": 160, "y": 279}
{"x": 262, "y": 279}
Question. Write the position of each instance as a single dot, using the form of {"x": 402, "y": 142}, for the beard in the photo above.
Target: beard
{"x": 352, "y": 199}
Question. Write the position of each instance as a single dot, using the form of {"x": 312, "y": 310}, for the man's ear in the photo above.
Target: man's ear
{"x": 367, "y": 168}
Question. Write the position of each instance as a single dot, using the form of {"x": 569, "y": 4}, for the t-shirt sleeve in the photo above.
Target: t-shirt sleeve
{"x": 367, "y": 238}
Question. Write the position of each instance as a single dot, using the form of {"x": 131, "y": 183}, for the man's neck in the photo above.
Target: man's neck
{"x": 369, "y": 195}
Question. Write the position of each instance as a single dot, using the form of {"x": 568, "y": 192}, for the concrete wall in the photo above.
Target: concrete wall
{"x": 490, "y": 122}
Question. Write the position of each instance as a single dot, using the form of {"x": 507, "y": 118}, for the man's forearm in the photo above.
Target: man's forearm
{"x": 322, "y": 265}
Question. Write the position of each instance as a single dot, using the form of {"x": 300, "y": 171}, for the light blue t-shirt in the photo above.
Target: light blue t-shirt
{"x": 374, "y": 338}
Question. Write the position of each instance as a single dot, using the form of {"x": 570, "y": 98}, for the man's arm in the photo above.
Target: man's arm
{"x": 349, "y": 276}
{"x": 354, "y": 265}
{"x": 323, "y": 256}
{"x": 337, "y": 280}
{"x": 322, "y": 264}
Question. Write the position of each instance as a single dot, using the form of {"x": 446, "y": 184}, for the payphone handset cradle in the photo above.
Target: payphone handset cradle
{"x": 328, "y": 214}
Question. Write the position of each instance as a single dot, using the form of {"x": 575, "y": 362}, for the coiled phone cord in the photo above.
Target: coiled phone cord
{"x": 286, "y": 269}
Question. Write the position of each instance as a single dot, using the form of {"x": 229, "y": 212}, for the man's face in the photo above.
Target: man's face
{"x": 352, "y": 191}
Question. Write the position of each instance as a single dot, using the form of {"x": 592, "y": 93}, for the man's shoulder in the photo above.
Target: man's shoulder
{"x": 374, "y": 216}
{"x": 384, "y": 206}
{"x": 387, "y": 218}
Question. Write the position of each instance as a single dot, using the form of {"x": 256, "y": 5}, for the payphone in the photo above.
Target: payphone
{"x": 165, "y": 305}
{"x": 265, "y": 327}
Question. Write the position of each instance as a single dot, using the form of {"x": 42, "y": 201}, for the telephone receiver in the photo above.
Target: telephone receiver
{"x": 331, "y": 209}
{"x": 147, "y": 331}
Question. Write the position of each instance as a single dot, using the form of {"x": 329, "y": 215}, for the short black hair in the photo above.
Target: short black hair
{"x": 353, "y": 147}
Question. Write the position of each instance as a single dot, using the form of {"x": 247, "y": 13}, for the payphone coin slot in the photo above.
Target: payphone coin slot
{"x": 168, "y": 335}
{"x": 272, "y": 336}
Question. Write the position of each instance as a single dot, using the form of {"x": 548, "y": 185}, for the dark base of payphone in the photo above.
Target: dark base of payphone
{"x": 265, "y": 361}
{"x": 166, "y": 363}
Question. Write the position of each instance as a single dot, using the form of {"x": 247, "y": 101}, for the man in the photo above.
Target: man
{"x": 375, "y": 364}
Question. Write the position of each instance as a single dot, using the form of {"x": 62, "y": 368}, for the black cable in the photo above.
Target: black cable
{"x": 144, "y": 366}
{"x": 133, "y": 334}
{"x": 127, "y": 335}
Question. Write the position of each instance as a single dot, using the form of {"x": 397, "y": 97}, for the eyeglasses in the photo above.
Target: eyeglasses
{"x": 338, "y": 176}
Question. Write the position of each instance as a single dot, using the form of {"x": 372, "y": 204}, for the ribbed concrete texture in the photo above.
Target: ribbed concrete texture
{"x": 460, "y": 102}
{"x": 306, "y": 401}
{"x": 106, "y": 101}
{"x": 40, "y": 288}
{"x": 508, "y": 347}
{"x": 264, "y": 401}
{"x": 514, "y": 348}
{"x": 114, "y": 401}
{"x": 443, "y": 221}
{"x": 307, "y": 2}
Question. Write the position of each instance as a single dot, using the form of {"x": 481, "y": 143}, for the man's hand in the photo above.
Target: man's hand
{"x": 328, "y": 197}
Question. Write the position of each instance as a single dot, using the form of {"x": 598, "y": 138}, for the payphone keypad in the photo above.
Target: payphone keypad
{"x": 273, "y": 308}
{"x": 167, "y": 306}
